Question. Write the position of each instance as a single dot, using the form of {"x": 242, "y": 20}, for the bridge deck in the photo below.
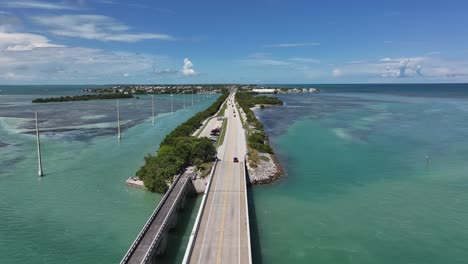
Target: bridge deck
{"x": 154, "y": 229}
{"x": 223, "y": 235}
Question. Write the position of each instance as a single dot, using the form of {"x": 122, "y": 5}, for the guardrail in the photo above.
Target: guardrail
{"x": 196, "y": 226}
{"x": 148, "y": 223}
{"x": 168, "y": 216}
{"x": 247, "y": 210}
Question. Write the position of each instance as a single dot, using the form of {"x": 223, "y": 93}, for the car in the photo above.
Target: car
{"x": 216, "y": 130}
{"x": 235, "y": 159}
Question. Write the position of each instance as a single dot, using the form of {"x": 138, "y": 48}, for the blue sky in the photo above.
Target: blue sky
{"x": 144, "y": 41}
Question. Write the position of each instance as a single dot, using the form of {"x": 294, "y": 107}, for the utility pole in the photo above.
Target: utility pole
{"x": 152, "y": 106}
{"x": 172, "y": 104}
{"x": 118, "y": 122}
{"x": 39, "y": 158}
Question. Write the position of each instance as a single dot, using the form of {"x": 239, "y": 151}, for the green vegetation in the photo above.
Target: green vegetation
{"x": 223, "y": 110}
{"x": 257, "y": 139}
{"x": 246, "y": 100}
{"x": 254, "y": 157}
{"x": 189, "y": 126}
{"x": 161, "y": 89}
{"x": 205, "y": 169}
{"x": 178, "y": 150}
{"x": 223, "y": 132}
{"x": 82, "y": 98}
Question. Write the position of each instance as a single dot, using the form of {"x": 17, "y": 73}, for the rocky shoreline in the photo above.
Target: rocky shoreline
{"x": 267, "y": 170}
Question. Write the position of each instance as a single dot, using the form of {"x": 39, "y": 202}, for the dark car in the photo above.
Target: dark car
{"x": 235, "y": 159}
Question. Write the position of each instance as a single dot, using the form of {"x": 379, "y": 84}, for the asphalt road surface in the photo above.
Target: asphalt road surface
{"x": 223, "y": 233}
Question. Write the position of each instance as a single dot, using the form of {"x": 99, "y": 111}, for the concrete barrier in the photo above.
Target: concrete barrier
{"x": 196, "y": 226}
{"x": 174, "y": 206}
{"x": 148, "y": 223}
{"x": 247, "y": 213}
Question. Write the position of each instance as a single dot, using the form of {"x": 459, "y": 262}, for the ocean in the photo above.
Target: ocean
{"x": 373, "y": 174}
{"x": 81, "y": 211}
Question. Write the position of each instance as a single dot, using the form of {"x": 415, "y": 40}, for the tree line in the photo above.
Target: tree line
{"x": 81, "y": 98}
{"x": 179, "y": 150}
{"x": 256, "y": 139}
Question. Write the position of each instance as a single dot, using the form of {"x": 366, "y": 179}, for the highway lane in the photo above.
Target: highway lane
{"x": 223, "y": 233}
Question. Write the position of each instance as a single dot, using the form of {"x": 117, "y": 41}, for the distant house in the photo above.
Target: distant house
{"x": 264, "y": 91}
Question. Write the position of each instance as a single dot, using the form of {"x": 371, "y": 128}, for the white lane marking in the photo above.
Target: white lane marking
{"x": 215, "y": 193}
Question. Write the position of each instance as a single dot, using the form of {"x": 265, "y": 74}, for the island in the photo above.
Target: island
{"x": 179, "y": 150}
{"x": 86, "y": 97}
{"x": 160, "y": 89}
{"x": 263, "y": 166}
{"x": 195, "y": 89}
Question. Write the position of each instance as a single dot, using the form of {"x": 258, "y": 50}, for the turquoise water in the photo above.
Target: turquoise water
{"x": 358, "y": 187}
{"x": 81, "y": 211}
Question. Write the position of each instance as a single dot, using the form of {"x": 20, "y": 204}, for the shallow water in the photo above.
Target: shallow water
{"x": 81, "y": 211}
{"x": 358, "y": 187}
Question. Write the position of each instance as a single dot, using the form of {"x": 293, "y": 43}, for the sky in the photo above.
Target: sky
{"x": 258, "y": 42}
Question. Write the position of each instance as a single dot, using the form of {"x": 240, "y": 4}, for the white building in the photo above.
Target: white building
{"x": 265, "y": 91}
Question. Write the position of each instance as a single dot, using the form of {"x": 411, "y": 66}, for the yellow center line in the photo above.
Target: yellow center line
{"x": 228, "y": 184}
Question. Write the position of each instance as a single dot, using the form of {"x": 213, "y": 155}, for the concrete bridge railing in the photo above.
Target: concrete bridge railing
{"x": 174, "y": 207}
{"x": 148, "y": 223}
{"x": 246, "y": 173}
{"x": 196, "y": 226}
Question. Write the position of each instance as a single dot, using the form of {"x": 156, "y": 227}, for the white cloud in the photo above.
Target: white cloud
{"x": 73, "y": 65}
{"x": 304, "y": 60}
{"x": 295, "y": 65}
{"x": 433, "y": 53}
{"x": 408, "y": 68}
{"x": 289, "y": 45}
{"x": 398, "y": 60}
{"x": 8, "y": 22}
{"x": 270, "y": 62}
{"x": 405, "y": 43}
{"x": 403, "y": 66}
{"x": 24, "y": 41}
{"x": 164, "y": 72}
{"x": 96, "y": 27}
{"x": 37, "y": 5}
{"x": 336, "y": 73}
{"x": 355, "y": 62}
{"x": 259, "y": 55}
{"x": 134, "y": 4}
{"x": 187, "y": 69}
{"x": 385, "y": 59}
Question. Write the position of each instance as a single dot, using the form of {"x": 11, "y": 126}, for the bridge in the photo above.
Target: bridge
{"x": 152, "y": 238}
{"x": 221, "y": 232}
